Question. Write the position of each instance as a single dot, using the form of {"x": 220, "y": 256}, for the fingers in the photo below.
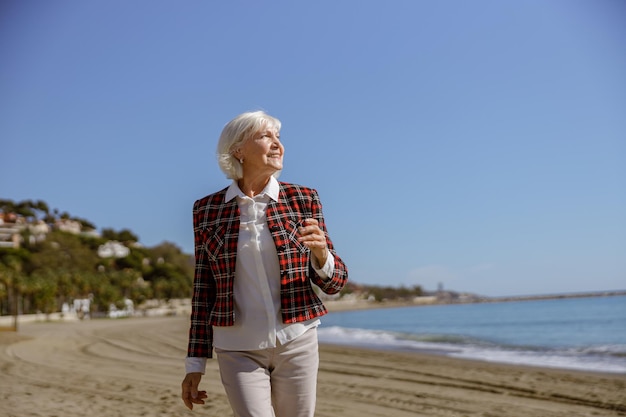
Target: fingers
{"x": 314, "y": 238}
{"x": 311, "y": 222}
{"x": 190, "y": 393}
{"x": 309, "y": 226}
{"x": 311, "y": 235}
{"x": 190, "y": 401}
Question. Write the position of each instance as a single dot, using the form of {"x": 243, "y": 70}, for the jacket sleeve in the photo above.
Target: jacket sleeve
{"x": 201, "y": 332}
{"x": 339, "y": 278}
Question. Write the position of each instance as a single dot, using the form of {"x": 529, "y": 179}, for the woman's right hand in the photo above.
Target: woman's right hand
{"x": 191, "y": 395}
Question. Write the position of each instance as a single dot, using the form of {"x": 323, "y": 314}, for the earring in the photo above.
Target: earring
{"x": 241, "y": 161}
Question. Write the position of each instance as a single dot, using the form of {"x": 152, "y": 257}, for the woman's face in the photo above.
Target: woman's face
{"x": 263, "y": 153}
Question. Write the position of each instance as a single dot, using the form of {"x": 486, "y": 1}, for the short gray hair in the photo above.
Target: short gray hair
{"x": 236, "y": 133}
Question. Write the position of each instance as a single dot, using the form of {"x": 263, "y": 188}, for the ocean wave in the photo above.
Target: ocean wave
{"x": 602, "y": 358}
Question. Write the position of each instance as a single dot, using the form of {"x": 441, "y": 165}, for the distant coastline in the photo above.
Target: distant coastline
{"x": 455, "y": 298}
{"x": 557, "y": 296}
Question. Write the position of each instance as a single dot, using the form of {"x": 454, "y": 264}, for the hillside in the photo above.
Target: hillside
{"x": 50, "y": 259}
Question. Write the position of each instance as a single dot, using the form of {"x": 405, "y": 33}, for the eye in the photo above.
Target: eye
{"x": 269, "y": 135}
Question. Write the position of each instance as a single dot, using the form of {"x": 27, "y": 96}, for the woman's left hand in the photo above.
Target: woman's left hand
{"x": 314, "y": 238}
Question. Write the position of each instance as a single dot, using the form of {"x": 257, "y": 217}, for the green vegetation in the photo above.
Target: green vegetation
{"x": 382, "y": 293}
{"x": 44, "y": 273}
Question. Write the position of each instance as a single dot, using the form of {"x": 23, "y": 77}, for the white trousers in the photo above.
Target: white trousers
{"x": 280, "y": 381}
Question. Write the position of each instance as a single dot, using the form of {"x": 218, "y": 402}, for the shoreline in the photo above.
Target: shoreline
{"x": 599, "y": 358}
{"x": 438, "y": 353}
{"x": 133, "y": 367}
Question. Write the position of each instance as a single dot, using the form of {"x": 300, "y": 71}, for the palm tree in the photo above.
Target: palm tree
{"x": 12, "y": 279}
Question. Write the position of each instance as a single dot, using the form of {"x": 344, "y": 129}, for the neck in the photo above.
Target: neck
{"x": 252, "y": 186}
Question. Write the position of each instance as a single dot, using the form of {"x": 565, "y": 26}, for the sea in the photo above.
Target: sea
{"x": 568, "y": 333}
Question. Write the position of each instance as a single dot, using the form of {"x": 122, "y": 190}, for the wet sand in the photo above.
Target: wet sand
{"x": 133, "y": 367}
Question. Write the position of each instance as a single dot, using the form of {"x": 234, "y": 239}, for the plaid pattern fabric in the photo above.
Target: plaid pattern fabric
{"x": 216, "y": 229}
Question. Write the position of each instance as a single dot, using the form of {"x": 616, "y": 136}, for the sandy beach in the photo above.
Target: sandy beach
{"x": 133, "y": 367}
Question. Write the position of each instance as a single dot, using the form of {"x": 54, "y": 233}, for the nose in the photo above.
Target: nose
{"x": 276, "y": 144}
{"x": 275, "y": 139}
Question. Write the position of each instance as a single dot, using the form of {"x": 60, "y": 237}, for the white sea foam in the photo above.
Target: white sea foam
{"x": 580, "y": 333}
{"x": 600, "y": 359}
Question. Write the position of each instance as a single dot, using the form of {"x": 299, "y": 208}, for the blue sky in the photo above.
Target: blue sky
{"x": 481, "y": 145}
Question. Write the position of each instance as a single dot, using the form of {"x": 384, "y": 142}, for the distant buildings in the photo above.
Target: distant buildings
{"x": 113, "y": 249}
{"x": 9, "y": 234}
{"x": 14, "y": 229}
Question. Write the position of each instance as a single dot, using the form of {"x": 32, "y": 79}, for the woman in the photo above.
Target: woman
{"x": 259, "y": 245}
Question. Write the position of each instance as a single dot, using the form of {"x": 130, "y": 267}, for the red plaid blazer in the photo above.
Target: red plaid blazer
{"x": 216, "y": 230}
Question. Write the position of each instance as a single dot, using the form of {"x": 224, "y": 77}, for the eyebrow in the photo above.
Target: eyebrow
{"x": 263, "y": 132}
